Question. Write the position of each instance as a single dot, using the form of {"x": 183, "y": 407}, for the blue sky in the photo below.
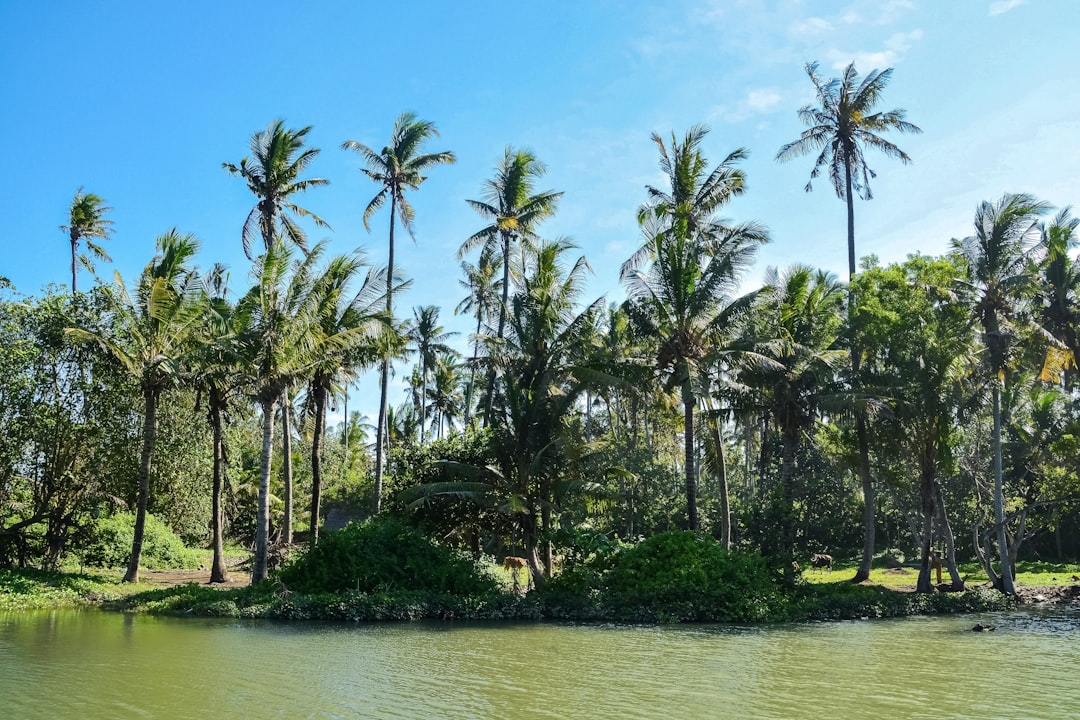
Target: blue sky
{"x": 142, "y": 102}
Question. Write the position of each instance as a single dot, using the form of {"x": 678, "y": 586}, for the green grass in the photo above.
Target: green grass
{"x": 1029, "y": 573}
{"x": 30, "y": 589}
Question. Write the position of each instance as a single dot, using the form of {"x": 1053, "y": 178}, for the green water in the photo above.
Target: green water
{"x": 98, "y": 665}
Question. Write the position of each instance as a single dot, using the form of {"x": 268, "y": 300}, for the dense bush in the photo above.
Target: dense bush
{"x": 382, "y": 555}
{"x": 108, "y": 544}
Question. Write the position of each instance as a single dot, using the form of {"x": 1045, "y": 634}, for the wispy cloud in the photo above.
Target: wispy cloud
{"x": 1004, "y": 6}
{"x": 896, "y": 46}
{"x": 757, "y": 101}
{"x": 809, "y": 27}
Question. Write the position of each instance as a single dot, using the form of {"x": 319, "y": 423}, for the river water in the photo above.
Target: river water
{"x": 90, "y": 664}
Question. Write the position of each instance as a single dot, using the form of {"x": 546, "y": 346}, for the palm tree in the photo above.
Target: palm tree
{"x": 998, "y": 257}
{"x": 429, "y": 341}
{"x": 339, "y": 313}
{"x": 272, "y": 173}
{"x": 87, "y": 221}
{"x": 531, "y": 439}
{"x": 483, "y": 295}
{"x": 218, "y": 375}
{"x": 398, "y": 167}
{"x": 445, "y": 392}
{"x": 515, "y": 210}
{"x": 841, "y": 126}
{"x": 797, "y": 323}
{"x": 152, "y": 341}
{"x": 1058, "y": 295}
{"x": 687, "y": 295}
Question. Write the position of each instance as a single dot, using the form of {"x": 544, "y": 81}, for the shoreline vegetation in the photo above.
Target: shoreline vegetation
{"x": 384, "y": 571}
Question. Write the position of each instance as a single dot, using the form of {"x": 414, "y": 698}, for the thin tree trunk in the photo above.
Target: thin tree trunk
{"x": 262, "y": 522}
{"x": 316, "y": 460}
{"x": 725, "y": 500}
{"x": 286, "y": 468}
{"x": 218, "y": 571}
{"x": 502, "y": 321}
{"x": 545, "y": 519}
{"x": 381, "y": 430}
{"x": 472, "y": 365}
{"x": 927, "y": 503}
{"x": 688, "y": 453}
{"x": 149, "y": 433}
{"x": 950, "y": 541}
{"x": 999, "y": 497}
{"x": 74, "y": 270}
{"x": 787, "y": 483}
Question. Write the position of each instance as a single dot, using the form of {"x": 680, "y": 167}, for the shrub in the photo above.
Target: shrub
{"x": 109, "y": 539}
{"x": 381, "y": 555}
{"x": 684, "y": 576}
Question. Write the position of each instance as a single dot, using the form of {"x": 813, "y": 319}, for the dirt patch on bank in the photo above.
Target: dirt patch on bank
{"x": 239, "y": 574}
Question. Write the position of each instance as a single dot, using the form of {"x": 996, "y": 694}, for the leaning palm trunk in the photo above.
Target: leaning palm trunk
{"x": 262, "y": 524}
{"x": 218, "y": 572}
{"x": 149, "y": 433}
{"x": 316, "y": 460}
{"x": 950, "y": 541}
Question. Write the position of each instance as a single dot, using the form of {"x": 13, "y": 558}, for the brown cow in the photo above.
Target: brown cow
{"x": 820, "y": 560}
{"x": 514, "y": 564}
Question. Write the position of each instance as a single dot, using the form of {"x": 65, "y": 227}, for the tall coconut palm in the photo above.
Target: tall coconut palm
{"x": 445, "y": 392}
{"x": 87, "y": 221}
{"x": 342, "y": 311}
{"x": 280, "y": 319}
{"x": 429, "y": 342}
{"x": 483, "y": 288}
{"x": 219, "y": 378}
{"x": 695, "y": 262}
{"x": 398, "y": 167}
{"x": 841, "y": 127}
{"x": 514, "y": 209}
{"x": 1058, "y": 295}
{"x": 153, "y": 340}
{"x": 999, "y": 256}
{"x": 272, "y": 173}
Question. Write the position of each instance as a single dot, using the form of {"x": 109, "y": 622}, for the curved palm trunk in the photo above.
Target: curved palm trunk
{"x": 688, "y": 454}
{"x": 149, "y": 434}
{"x": 286, "y": 469}
{"x": 262, "y": 522}
{"x": 381, "y": 430}
{"x": 316, "y": 460}
{"x": 950, "y": 541}
{"x": 725, "y": 500}
{"x": 218, "y": 571}
{"x": 999, "y": 498}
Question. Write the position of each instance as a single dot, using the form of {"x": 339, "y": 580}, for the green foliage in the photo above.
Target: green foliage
{"x": 30, "y": 589}
{"x": 680, "y": 576}
{"x": 109, "y": 539}
{"x": 383, "y": 555}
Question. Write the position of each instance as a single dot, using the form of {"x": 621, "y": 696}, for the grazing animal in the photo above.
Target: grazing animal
{"x": 514, "y": 565}
{"x": 819, "y": 560}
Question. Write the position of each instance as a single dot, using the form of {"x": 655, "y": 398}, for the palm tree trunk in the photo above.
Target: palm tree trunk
{"x": 502, "y": 322}
{"x": 218, "y": 571}
{"x": 787, "y": 483}
{"x": 74, "y": 271}
{"x": 688, "y": 454}
{"x": 999, "y": 497}
{"x": 725, "y": 499}
{"x": 927, "y": 501}
{"x": 149, "y": 433}
{"x": 316, "y": 460}
{"x": 472, "y": 368}
{"x": 286, "y": 468}
{"x": 381, "y": 430}
{"x": 262, "y": 523}
{"x": 861, "y": 439}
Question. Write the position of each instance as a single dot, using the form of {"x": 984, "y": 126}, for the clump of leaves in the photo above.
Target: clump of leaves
{"x": 109, "y": 539}
{"x": 383, "y": 554}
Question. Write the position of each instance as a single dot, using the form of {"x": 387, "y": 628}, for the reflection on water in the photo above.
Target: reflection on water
{"x": 96, "y": 665}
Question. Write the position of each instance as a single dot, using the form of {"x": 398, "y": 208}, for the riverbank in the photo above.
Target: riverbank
{"x": 177, "y": 596}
